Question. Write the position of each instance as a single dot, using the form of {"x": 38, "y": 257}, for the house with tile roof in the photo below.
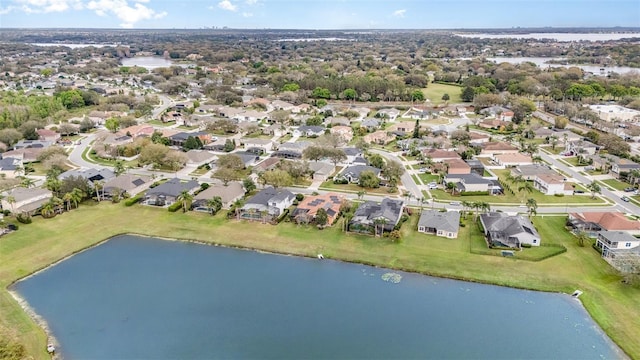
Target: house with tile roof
{"x": 307, "y": 209}
{"x": 228, "y": 194}
{"x": 552, "y": 184}
{"x": 511, "y": 160}
{"x": 497, "y": 147}
{"x": 592, "y": 222}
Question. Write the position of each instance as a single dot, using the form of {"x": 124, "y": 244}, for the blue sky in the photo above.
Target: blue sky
{"x": 318, "y": 14}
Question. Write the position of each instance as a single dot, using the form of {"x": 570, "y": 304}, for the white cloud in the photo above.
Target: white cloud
{"x": 399, "y": 13}
{"x": 251, "y": 2}
{"x": 128, "y": 14}
{"x": 247, "y": 14}
{"x": 47, "y": 6}
{"x": 227, "y": 5}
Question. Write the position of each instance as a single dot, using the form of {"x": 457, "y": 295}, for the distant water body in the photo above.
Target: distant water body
{"x": 73, "y": 46}
{"x": 564, "y": 37}
{"x": 148, "y": 62}
{"x": 544, "y": 62}
{"x": 142, "y": 298}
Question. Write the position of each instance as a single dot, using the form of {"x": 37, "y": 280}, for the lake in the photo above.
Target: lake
{"x": 543, "y": 62}
{"x": 143, "y": 298}
{"x": 563, "y": 37}
{"x": 148, "y": 62}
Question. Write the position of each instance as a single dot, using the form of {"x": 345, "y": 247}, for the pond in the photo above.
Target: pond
{"x": 135, "y": 297}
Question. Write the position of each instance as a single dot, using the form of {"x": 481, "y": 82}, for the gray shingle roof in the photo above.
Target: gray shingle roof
{"x": 173, "y": 187}
{"x": 447, "y": 221}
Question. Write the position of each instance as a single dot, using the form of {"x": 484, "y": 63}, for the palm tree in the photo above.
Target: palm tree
{"x": 263, "y": 214}
{"x": 361, "y": 194}
{"x": 76, "y": 196}
{"x": 237, "y": 205}
{"x": 466, "y": 205}
{"x": 451, "y": 186}
{"x": 48, "y": 209}
{"x": 214, "y": 204}
{"x": 634, "y": 175}
{"x": 582, "y": 238}
{"x": 379, "y": 221}
{"x": 12, "y": 201}
{"x": 119, "y": 168}
{"x": 99, "y": 185}
{"x": 532, "y": 206}
{"x": 67, "y": 199}
{"x": 526, "y": 188}
{"x": 484, "y": 206}
{"x": 27, "y": 182}
{"x": 537, "y": 159}
{"x": 185, "y": 198}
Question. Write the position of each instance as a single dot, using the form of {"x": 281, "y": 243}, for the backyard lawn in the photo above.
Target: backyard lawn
{"x": 573, "y": 161}
{"x": 434, "y": 92}
{"x": 612, "y": 303}
{"x": 354, "y": 188}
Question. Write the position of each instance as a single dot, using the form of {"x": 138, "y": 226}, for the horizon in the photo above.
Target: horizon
{"x": 318, "y": 15}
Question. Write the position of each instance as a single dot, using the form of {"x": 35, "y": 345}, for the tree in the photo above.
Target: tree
{"x": 361, "y": 194}
{"x": 532, "y": 207}
{"x": 522, "y": 109}
{"x": 368, "y": 179}
{"x": 526, "y": 187}
{"x": 446, "y": 97}
{"x": 467, "y": 94}
{"x": 86, "y": 125}
{"x": 582, "y": 238}
{"x": 226, "y": 174}
{"x": 314, "y": 153}
{"x": 321, "y": 217}
{"x": 392, "y": 171}
{"x": 185, "y": 198}
{"x": 277, "y": 178}
{"x": 192, "y": 143}
{"x": 416, "y": 130}
{"x": 229, "y": 145}
{"x": 594, "y": 187}
{"x": 248, "y": 185}
{"x": 376, "y": 161}
{"x": 349, "y": 94}
{"x": 214, "y": 204}
{"x": 119, "y": 168}
{"x": 112, "y": 124}
{"x": 10, "y": 136}
{"x": 27, "y": 182}
{"x": 77, "y": 195}
{"x": 417, "y": 95}
{"x": 561, "y": 122}
{"x": 230, "y": 161}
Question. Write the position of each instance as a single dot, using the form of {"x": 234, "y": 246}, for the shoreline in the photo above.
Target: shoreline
{"x": 42, "y": 323}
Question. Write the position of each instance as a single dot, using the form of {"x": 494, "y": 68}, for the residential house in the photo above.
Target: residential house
{"x": 370, "y": 124}
{"x": 25, "y": 200}
{"x": 614, "y": 243}
{"x": 511, "y": 231}
{"x": 262, "y": 145}
{"x": 337, "y": 120}
{"x": 250, "y": 116}
{"x": 266, "y": 164}
{"x": 275, "y": 130}
{"x": 267, "y": 205}
{"x": 496, "y": 148}
{"x": 592, "y": 222}
{"x": 32, "y": 144}
{"x": 379, "y": 137}
{"x": 137, "y": 131}
{"x": 438, "y": 155}
{"x": 494, "y": 124}
{"x": 345, "y": 133}
{"x": 566, "y": 135}
{"x": 48, "y": 135}
{"x": 375, "y": 218}
{"x": 622, "y": 167}
{"x": 168, "y": 192}
{"x": 389, "y": 114}
{"x": 511, "y": 160}
{"x": 229, "y": 194}
{"x": 529, "y": 172}
{"x": 249, "y": 158}
{"x": 457, "y": 166}
{"x": 352, "y": 173}
{"x": 10, "y": 167}
{"x": 406, "y": 127}
{"x": 282, "y": 105}
{"x": 476, "y": 166}
{"x": 440, "y": 223}
{"x": 469, "y": 182}
{"x": 498, "y": 112}
{"x": 27, "y": 155}
{"x": 581, "y": 147}
{"x": 126, "y": 183}
{"x": 544, "y": 133}
{"x": 476, "y": 138}
{"x": 200, "y": 157}
{"x": 309, "y": 131}
{"x": 180, "y": 138}
{"x": 307, "y": 209}
{"x": 292, "y": 150}
{"x": 321, "y": 170}
{"x": 352, "y": 154}
{"x": 552, "y": 184}
{"x": 89, "y": 174}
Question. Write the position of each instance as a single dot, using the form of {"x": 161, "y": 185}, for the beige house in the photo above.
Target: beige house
{"x": 25, "y": 200}
{"x": 344, "y": 132}
{"x": 511, "y": 160}
{"x": 129, "y": 183}
{"x": 379, "y": 137}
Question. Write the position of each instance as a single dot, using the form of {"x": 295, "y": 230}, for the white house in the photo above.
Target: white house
{"x": 612, "y": 242}
{"x": 552, "y": 184}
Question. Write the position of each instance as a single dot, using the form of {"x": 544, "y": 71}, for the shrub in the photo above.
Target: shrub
{"x": 558, "y": 195}
{"x": 24, "y": 218}
{"x": 525, "y": 245}
{"x": 283, "y": 216}
{"x": 299, "y": 197}
{"x": 175, "y": 206}
{"x": 474, "y": 193}
{"x": 132, "y": 200}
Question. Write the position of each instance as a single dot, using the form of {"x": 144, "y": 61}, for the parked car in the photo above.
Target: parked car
{"x": 625, "y": 199}
{"x": 629, "y": 189}
{"x": 456, "y": 203}
{"x": 578, "y": 191}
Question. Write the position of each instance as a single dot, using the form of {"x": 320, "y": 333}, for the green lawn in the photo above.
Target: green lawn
{"x": 612, "y": 303}
{"x": 159, "y": 123}
{"x": 427, "y": 178}
{"x": 573, "y": 161}
{"x": 616, "y": 184}
{"x": 435, "y": 91}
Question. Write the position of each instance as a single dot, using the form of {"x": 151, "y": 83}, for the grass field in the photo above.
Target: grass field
{"x": 616, "y": 184}
{"x": 435, "y": 91}
{"x": 354, "y": 188}
{"x": 612, "y": 303}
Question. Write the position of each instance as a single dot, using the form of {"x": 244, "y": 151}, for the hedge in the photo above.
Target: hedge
{"x": 133, "y": 200}
{"x": 474, "y": 193}
{"x": 175, "y": 206}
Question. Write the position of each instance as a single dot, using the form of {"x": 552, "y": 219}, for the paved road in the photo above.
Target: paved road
{"x": 626, "y": 207}
{"x": 406, "y": 178}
